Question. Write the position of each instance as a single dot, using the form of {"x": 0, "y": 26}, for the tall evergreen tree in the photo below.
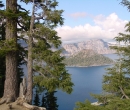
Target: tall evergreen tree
{"x": 29, "y": 93}
{"x": 49, "y": 65}
{"x": 36, "y": 99}
{"x": 2, "y": 57}
{"x": 49, "y": 101}
{"x": 42, "y": 42}
{"x": 43, "y": 101}
{"x": 8, "y": 47}
{"x": 11, "y": 83}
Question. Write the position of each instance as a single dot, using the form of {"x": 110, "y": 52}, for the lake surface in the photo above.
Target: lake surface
{"x": 87, "y": 80}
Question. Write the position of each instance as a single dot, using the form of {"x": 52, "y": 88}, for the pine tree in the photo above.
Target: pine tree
{"x": 41, "y": 55}
{"x": 49, "y": 101}
{"x": 2, "y": 57}
{"x": 36, "y": 98}
{"x": 10, "y": 45}
{"x": 43, "y": 101}
{"x": 52, "y": 72}
{"x": 11, "y": 82}
{"x": 126, "y": 3}
{"x": 43, "y": 37}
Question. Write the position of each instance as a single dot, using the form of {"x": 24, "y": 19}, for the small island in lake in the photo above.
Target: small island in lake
{"x": 86, "y": 58}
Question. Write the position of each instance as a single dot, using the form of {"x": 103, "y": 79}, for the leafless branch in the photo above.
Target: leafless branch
{"x": 122, "y": 91}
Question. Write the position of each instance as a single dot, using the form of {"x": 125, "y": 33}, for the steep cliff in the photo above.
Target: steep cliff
{"x": 97, "y": 45}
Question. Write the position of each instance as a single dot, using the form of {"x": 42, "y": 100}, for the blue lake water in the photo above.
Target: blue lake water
{"x": 87, "y": 80}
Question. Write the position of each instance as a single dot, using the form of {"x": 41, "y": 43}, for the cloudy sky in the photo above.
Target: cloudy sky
{"x": 87, "y": 19}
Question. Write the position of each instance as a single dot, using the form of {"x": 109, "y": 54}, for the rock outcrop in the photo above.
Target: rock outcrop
{"x": 97, "y": 45}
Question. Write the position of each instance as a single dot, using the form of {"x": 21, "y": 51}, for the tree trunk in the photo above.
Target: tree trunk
{"x": 11, "y": 85}
{"x": 30, "y": 61}
{"x": 21, "y": 100}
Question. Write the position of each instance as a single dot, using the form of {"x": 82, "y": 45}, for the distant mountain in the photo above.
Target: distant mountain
{"x": 97, "y": 45}
{"x": 87, "y": 58}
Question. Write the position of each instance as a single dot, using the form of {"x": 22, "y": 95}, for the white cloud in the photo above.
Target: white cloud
{"x": 104, "y": 28}
{"x": 110, "y": 22}
{"x": 78, "y": 15}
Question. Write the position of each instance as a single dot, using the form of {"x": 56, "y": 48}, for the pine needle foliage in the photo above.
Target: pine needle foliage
{"x": 47, "y": 61}
{"x": 7, "y": 45}
{"x": 49, "y": 101}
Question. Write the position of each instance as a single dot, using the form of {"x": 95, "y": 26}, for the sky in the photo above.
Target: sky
{"x": 91, "y": 19}
{"x": 88, "y": 19}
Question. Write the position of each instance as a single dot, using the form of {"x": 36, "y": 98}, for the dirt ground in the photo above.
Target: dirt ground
{"x": 14, "y": 107}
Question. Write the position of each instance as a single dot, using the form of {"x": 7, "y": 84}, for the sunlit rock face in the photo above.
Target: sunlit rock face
{"x": 98, "y": 45}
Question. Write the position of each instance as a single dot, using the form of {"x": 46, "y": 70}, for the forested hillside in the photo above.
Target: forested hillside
{"x": 87, "y": 58}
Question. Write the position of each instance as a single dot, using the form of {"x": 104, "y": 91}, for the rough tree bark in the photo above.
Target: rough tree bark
{"x": 21, "y": 100}
{"x": 11, "y": 85}
{"x": 29, "y": 93}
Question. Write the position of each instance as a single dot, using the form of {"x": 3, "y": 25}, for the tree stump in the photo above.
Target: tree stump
{"x": 23, "y": 88}
{"x": 21, "y": 100}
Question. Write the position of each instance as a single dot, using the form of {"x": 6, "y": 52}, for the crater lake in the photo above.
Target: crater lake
{"x": 86, "y": 80}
